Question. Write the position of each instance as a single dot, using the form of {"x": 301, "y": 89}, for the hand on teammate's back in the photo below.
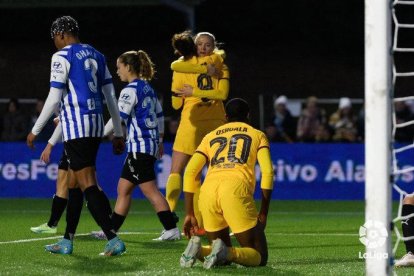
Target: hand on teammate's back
{"x": 186, "y": 91}
{"x": 118, "y": 145}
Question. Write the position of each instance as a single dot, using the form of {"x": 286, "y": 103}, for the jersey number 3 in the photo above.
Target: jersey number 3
{"x": 91, "y": 66}
{"x": 151, "y": 120}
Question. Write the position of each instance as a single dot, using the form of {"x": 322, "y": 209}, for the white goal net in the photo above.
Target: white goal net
{"x": 402, "y": 118}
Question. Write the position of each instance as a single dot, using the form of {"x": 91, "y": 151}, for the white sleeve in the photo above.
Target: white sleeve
{"x": 127, "y": 101}
{"x": 160, "y": 117}
{"x": 48, "y": 110}
{"x": 109, "y": 93}
{"x": 57, "y": 135}
{"x": 59, "y": 70}
{"x": 109, "y": 127}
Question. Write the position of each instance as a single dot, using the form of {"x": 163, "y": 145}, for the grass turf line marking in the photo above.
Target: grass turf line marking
{"x": 77, "y": 235}
{"x": 152, "y": 212}
{"x": 155, "y": 233}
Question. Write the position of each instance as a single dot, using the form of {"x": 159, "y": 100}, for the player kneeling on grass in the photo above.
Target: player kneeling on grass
{"x": 226, "y": 196}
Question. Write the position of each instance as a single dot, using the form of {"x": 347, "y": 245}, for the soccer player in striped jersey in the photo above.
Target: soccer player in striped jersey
{"x": 79, "y": 80}
{"x": 226, "y": 196}
{"x": 201, "y": 97}
{"x": 142, "y": 113}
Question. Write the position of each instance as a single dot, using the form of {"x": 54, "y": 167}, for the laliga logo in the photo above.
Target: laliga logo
{"x": 373, "y": 234}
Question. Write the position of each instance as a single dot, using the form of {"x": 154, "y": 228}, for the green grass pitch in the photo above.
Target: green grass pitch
{"x": 304, "y": 238}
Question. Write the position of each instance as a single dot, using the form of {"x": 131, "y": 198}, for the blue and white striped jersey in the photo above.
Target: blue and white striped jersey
{"x": 80, "y": 71}
{"x": 139, "y": 107}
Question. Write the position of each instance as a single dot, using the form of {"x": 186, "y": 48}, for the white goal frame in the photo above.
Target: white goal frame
{"x": 378, "y": 95}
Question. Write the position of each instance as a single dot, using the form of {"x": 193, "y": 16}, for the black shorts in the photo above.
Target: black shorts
{"x": 82, "y": 152}
{"x": 140, "y": 169}
{"x": 63, "y": 162}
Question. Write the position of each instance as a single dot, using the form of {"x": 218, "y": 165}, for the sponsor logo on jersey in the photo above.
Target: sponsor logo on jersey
{"x": 57, "y": 65}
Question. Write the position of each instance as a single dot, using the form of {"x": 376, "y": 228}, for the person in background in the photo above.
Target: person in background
{"x": 361, "y": 124}
{"x": 15, "y": 123}
{"x": 282, "y": 126}
{"x": 226, "y": 196}
{"x": 343, "y": 122}
{"x": 311, "y": 118}
{"x": 272, "y": 134}
{"x": 323, "y": 134}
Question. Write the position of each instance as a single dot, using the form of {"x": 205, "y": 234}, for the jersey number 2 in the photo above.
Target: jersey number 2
{"x": 231, "y": 154}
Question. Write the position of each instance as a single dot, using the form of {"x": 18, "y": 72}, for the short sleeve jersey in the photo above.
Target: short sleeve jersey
{"x": 139, "y": 107}
{"x": 231, "y": 151}
{"x": 196, "y": 109}
{"x": 81, "y": 71}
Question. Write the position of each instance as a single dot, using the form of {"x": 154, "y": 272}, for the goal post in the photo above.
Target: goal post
{"x": 378, "y": 91}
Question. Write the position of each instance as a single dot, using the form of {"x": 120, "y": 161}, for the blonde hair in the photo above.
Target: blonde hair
{"x": 140, "y": 63}
{"x": 217, "y": 45}
{"x": 212, "y": 37}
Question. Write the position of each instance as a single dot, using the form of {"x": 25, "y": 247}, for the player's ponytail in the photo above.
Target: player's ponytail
{"x": 146, "y": 70}
{"x": 140, "y": 63}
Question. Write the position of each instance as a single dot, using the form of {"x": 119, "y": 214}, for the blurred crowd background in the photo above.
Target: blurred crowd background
{"x": 300, "y": 64}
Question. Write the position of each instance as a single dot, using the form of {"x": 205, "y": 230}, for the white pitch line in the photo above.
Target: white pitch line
{"x": 77, "y": 235}
{"x": 152, "y": 212}
{"x": 36, "y": 239}
{"x": 155, "y": 233}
